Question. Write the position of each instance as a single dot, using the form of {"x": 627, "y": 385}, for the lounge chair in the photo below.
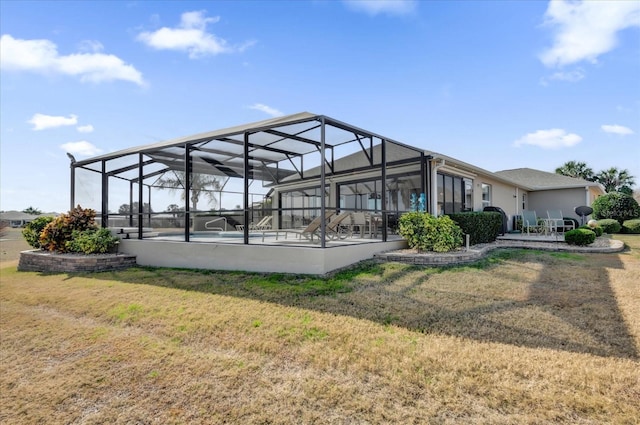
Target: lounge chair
{"x": 530, "y": 222}
{"x": 336, "y": 229}
{"x": 308, "y": 232}
{"x": 558, "y": 223}
{"x": 263, "y": 224}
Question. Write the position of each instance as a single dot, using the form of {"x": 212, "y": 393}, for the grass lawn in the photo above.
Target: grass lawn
{"x": 521, "y": 337}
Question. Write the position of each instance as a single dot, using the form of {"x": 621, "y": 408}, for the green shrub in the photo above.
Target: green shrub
{"x": 609, "y": 225}
{"x": 579, "y": 237}
{"x": 55, "y": 235}
{"x": 482, "y": 227}
{"x": 427, "y": 233}
{"x": 92, "y": 241}
{"x": 631, "y": 226}
{"x": 597, "y": 229}
{"x": 33, "y": 229}
{"x": 617, "y": 206}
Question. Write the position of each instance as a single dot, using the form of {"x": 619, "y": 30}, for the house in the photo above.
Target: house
{"x": 541, "y": 191}
{"x": 295, "y": 168}
{"x": 20, "y": 219}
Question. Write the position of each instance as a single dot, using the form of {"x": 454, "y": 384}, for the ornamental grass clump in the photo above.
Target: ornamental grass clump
{"x": 580, "y": 237}
{"x": 425, "y": 232}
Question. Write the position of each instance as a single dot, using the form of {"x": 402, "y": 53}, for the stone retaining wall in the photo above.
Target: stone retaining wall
{"x": 43, "y": 261}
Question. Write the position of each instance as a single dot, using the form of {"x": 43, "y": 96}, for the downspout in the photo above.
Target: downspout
{"x": 434, "y": 186}
{"x": 587, "y": 203}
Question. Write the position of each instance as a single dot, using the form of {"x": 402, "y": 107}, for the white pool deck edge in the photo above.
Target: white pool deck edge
{"x": 298, "y": 259}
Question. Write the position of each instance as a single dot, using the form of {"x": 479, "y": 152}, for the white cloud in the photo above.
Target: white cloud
{"x": 41, "y": 121}
{"x": 190, "y": 36}
{"x": 617, "y": 129}
{"x": 375, "y": 7}
{"x": 85, "y": 128}
{"x": 80, "y": 148}
{"x": 585, "y": 30}
{"x": 266, "y": 109}
{"x": 42, "y": 56}
{"x": 554, "y": 138}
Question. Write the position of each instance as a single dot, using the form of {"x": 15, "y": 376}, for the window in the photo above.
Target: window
{"x": 486, "y": 195}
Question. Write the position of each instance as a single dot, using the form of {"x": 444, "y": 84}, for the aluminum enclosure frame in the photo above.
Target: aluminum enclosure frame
{"x": 271, "y": 151}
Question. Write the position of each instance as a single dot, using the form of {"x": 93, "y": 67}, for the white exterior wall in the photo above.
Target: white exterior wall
{"x": 271, "y": 259}
{"x": 507, "y": 197}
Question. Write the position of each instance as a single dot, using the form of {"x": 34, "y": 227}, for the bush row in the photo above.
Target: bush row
{"x": 482, "y": 227}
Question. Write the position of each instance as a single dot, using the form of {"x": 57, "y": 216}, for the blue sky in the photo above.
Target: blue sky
{"x": 499, "y": 84}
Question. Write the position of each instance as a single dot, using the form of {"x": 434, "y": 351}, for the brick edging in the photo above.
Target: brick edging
{"x": 463, "y": 257}
{"x": 44, "y": 261}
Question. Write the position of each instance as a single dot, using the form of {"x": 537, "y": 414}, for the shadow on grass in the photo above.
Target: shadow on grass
{"x": 524, "y": 298}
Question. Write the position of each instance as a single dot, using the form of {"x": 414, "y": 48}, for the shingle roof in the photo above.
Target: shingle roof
{"x": 541, "y": 180}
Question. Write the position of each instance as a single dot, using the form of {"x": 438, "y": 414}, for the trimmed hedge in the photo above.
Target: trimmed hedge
{"x": 609, "y": 225}
{"x": 597, "y": 229}
{"x": 482, "y": 227}
{"x": 579, "y": 237}
{"x": 631, "y": 226}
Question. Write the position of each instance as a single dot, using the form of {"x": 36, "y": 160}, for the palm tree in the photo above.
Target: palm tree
{"x": 31, "y": 210}
{"x": 615, "y": 180}
{"x": 199, "y": 184}
{"x": 576, "y": 169}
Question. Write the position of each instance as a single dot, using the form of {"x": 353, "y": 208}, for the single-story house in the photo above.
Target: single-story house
{"x": 20, "y": 219}
{"x": 293, "y": 168}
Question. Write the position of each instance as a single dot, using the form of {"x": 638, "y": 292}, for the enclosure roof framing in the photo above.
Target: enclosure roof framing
{"x": 270, "y": 143}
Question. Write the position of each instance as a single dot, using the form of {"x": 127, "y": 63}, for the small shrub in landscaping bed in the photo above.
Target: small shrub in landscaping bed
{"x": 609, "y": 225}
{"x": 33, "y": 230}
{"x": 482, "y": 227}
{"x": 597, "y": 229}
{"x": 631, "y": 226}
{"x": 55, "y": 235}
{"x": 579, "y": 237}
{"x": 425, "y": 232}
{"x": 91, "y": 241}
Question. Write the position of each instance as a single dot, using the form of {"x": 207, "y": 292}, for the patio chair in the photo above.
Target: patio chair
{"x": 362, "y": 222}
{"x": 530, "y": 222}
{"x": 558, "y": 223}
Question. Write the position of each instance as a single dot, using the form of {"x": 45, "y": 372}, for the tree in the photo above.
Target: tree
{"x": 615, "y": 180}
{"x": 576, "y": 169}
{"x": 125, "y": 210}
{"x": 201, "y": 184}
{"x": 32, "y": 210}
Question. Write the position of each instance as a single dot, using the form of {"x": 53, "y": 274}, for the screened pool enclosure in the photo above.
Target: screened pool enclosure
{"x": 251, "y": 183}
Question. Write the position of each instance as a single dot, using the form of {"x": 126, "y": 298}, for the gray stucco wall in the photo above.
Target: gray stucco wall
{"x": 563, "y": 199}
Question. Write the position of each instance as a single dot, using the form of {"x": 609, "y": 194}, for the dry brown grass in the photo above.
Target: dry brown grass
{"x": 524, "y": 337}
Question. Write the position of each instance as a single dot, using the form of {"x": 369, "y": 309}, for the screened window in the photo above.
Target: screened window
{"x": 486, "y": 195}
